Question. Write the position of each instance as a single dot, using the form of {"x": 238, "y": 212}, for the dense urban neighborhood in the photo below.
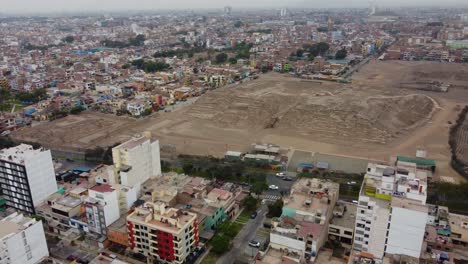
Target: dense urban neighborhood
{"x": 229, "y": 135}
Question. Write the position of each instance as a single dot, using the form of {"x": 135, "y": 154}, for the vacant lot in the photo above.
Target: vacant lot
{"x": 372, "y": 117}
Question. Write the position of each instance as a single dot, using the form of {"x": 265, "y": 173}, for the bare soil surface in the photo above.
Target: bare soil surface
{"x": 371, "y": 117}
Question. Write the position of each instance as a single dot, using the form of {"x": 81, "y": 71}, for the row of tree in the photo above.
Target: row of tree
{"x": 137, "y": 41}
{"x": 458, "y": 164}
{"x": 150, "y": 66}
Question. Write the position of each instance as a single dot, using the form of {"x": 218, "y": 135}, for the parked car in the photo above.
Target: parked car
{"x": 253, "y": 215}
{"x": 273, "y": 187}
{"x": 254, "y": 243}
{"x": 280, "y": 174}
{"x": 287, "y": 178}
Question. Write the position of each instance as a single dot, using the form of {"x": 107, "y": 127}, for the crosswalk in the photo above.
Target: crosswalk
{"x": 270, "y": 197}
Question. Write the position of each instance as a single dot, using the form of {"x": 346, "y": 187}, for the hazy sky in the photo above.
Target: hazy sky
{"x": 27, "y": 6}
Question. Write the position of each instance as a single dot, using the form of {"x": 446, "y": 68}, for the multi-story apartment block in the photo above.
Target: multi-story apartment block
{"x": 27, "y": 176}
{"x": 165, "y": 234}
{"x": 136, "y": 160}
{"x": 342, "y": 224}
{"x": 22, "y": 240}
{"x": 303, "y": 227}
{"x": 102, "y": 208}
{"x": 392, "y": 214}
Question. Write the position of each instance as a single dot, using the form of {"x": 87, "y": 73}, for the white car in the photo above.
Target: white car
{"x": 254, "y": 243}
{"x": 280, "y": 174}
{"x": 273, "y": 187}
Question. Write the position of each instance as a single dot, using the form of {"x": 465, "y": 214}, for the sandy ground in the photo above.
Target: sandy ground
{"x": 372, "y": 117}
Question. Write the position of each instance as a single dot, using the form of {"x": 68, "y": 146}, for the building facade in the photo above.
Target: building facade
{"x": 22, "y": 240}
{"x": 27, "y": 177}
{"x": 136, "y": 160}
{"x": 167, "y": 235}
{"x": 392, "y": 211}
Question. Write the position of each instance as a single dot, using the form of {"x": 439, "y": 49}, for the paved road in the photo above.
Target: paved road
{"x": 246, "y": 234}
{"x": 284, "y": 186}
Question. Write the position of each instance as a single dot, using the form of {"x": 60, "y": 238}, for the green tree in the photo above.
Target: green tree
{"x": 76, "y": 110}
{"x": 322, "y": 29}
{"x": 139, "y": 40}
{"x": 322, "y": 47}
{"x": 220, "y": 244}
{"x": 299, "y": 52}
{"x": 232, "y": 60}
{"x": 221, "y": 58}
{"x": 238, "y": 24}
{"x": 4, "y": 96}
{"x": 250, "y": 203}
{"x": 341, "y": 54}
{"x": 258, "y": 187}
{"x": 188, "y": 168}
{"x": 69, "y": 39}
{"x": 275, "y": 209}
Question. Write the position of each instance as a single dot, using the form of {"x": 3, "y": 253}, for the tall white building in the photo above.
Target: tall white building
{"x": 27, "y": 176}
{"x": 102, "y": 208}
{"x": 136, "y": 160}
{"x": 392, "y": 212}
{"x": 22, "y": 240}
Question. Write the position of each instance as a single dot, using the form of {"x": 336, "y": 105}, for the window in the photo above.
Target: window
{"x": 348, "y": 233}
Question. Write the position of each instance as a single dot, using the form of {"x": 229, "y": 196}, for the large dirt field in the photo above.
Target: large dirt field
{"x": 371, "y": 117}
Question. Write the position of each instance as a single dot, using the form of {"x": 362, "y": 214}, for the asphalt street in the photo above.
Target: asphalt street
{"x": 284, "y": 186}
{"x": 247, "y": 233}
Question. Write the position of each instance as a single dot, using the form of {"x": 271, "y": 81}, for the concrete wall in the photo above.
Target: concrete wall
{"x": 34, "y": 240}
{"x": 336, "y": 162}
{"x": 41, "y": 176}
{"x": 278, "y": 241}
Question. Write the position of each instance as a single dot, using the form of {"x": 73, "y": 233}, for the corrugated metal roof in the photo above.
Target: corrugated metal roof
{"x": 418, "y": 161}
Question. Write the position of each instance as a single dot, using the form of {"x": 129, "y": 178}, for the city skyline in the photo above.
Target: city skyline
{"x": 60, "y": 6}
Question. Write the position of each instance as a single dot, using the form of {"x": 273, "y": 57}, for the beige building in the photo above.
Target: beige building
{"x": 341, "y": 226}
{"x": 162, "y": 233}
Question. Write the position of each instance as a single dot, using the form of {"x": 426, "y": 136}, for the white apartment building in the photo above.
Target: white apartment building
{"x": 136, "y": 160}
{"x": 27, "y": 176}
{"x": 392, "y": 212}
{"x": 22, "y": 240}
{"x": 106, "y": 210}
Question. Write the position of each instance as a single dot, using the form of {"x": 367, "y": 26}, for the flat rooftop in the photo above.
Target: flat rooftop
{"x": 130, "y": 144}
{"x": 409, "y": 204}
{"x": 459, "y": 225}
{"x": 68, "y": 202}
{"x": 19, "y": 153}
{"x": 14, "y": 223}
{"x": 120, "y": 225}
{"x": 274, "y": 256}
{"x": 348, "y": 218}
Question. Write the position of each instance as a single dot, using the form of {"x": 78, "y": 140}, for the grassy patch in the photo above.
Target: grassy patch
{"x": 211, "y": 258}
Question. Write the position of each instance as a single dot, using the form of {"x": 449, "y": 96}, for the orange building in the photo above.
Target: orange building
{"x": 117, "y": 232}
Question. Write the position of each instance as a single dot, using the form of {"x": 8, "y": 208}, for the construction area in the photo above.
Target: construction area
{"x": 373, "y": 117}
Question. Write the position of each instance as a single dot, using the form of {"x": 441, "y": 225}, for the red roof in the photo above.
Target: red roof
{"x": 103, "y": 188}
{"x": 309, "y": 228}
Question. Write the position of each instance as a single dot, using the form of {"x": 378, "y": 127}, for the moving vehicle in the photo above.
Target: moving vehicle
{"x": 273, "y": 187}
{"x": 253, "y": 215}
{"x": 280, "y": 174}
